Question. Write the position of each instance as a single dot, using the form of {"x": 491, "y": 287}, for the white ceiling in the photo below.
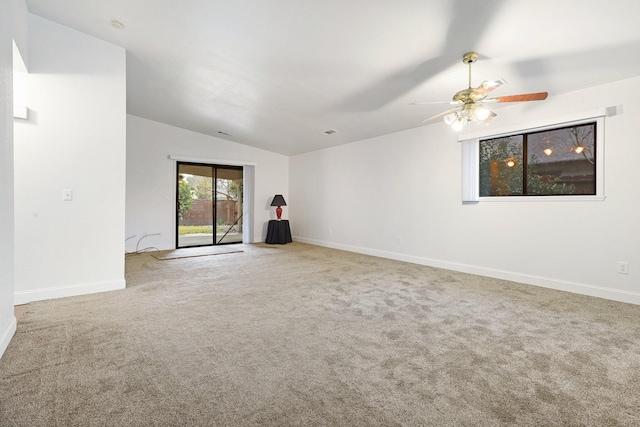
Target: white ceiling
{"x": 275, "y": 74}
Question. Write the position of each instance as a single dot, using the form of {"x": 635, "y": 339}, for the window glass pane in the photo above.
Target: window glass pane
{"x": 229, "y": 205}
{"x": 561, "y": 161}
{"x": 501, "y": 166}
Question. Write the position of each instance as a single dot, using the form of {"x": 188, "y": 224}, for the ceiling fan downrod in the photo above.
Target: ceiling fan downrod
{"x": 469, "y": 58}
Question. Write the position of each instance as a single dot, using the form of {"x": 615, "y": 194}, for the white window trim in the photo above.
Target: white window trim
{"x": 471, "y": 147}
{"x": 210, "y": 161}
{"x": 470, "y": 170}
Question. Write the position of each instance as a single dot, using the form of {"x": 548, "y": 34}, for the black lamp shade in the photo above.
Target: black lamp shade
{"x": 278, "y": 200}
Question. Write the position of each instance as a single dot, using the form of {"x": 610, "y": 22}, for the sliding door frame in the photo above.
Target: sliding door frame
{"x": 249, "y": 174}
{"x": 215, "y": 167}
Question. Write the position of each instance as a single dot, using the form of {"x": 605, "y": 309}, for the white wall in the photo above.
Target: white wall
{"x": 399, "y": 196}
{"x": 151, "y": 177}
{"x": 11, "y": 27}
{"x": 75, "y": 139}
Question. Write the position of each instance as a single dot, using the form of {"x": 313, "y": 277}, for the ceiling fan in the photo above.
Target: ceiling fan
{"x": 470, "y": 103}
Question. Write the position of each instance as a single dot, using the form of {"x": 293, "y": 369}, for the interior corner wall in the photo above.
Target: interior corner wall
{"x": 20, "y": 27}
{"x": 399, "y": 196}
{"x": 75, "y": 139}
{"x": 151, "y": 179}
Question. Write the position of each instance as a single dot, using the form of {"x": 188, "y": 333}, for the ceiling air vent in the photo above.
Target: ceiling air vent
{"x": 330, "y": 131}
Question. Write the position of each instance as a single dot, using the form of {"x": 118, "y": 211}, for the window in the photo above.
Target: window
{"x": 550, "y": 162}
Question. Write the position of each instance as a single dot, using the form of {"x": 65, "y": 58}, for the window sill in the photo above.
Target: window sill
{"x": 542, "y": 199}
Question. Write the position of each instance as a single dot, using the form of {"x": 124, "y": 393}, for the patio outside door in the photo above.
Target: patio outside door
{"x": 209, "y": 205}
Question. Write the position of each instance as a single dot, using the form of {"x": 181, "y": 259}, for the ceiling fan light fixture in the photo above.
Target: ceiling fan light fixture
{"x": 450, "y": 118}
{"x": 482, "y": 113}
{"x": 458, "y": 124}
{"x": 470, "y": 114}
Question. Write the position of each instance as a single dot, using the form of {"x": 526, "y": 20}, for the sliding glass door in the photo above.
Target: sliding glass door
{"x": 209, "y": 204}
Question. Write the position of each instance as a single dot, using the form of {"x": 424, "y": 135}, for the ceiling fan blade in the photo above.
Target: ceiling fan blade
{"x": 537, "y": 96}
{"x": 486, "y": 87}
{"x": 444, "y": 113}
{"x": 435, "y": 103}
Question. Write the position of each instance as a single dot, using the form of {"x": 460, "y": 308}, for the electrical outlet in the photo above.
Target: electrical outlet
{"x": 399, "y": 240}
{"x": 330, "y": 232}
{"x": 623, "y": 267}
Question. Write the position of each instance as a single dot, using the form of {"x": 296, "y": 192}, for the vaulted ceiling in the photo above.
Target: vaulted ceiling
{"x": 276, "y": 74}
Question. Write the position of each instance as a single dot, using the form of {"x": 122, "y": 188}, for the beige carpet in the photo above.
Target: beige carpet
{"x": 301, "y": 335}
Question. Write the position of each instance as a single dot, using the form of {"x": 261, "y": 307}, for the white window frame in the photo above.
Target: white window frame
{"x": 471, "y": 149}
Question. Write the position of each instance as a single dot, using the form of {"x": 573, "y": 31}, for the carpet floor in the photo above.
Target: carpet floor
{"x": 302, "y": 335}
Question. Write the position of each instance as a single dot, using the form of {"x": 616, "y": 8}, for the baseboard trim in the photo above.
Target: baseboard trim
{"x": 7, "y": 335}
{"x": 25, "y": 297}
{"x": 545, "y": 282}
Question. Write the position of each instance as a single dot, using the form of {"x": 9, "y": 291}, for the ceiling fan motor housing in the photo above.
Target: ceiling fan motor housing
{"x": 465, "y": 96}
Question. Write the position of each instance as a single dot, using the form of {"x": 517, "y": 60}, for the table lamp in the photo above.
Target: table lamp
{"x": 278, "y": 201}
